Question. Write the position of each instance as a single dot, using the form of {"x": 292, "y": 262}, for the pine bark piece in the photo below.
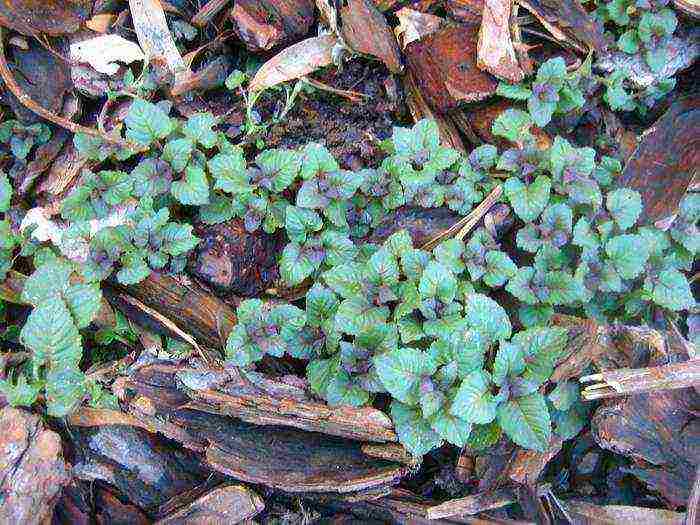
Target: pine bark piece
{"x": 421, "y": 223}
{"x": 257, "y": 399}
{"x": 444, "y": 66}
{"x": 208, "y": 319}
{"x": 291, "y": 460}
{"x": 229, "y": 504}
{"x": 472, "y": 504}
{"x": 141, "y": 467}
{"x": 51, "y": 17}
{"x": 660, "y": 433}
{"x": 568, "y": 22}
{"x": 32, "y": 469}
{"x": 467, "y": 11}
{"x": 527, "y": 465}
{"x": 265, "y": 24}
{"x": 621, "y": 514}
{"x": 495, "y": 51}
{"x": 666, "y": 160}
{"x": 365, "y": 30}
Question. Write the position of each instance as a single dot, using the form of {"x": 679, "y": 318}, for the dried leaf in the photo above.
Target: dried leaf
{"x": 51, "y": 17}
{"x": 102, "y": 52}
{"x": 365, "y": 31}
{"x": 495, "y": 52}
{"x": 265, "y": 24}
{"x": 295, "y": 61}
{"x": 414, "y": 25}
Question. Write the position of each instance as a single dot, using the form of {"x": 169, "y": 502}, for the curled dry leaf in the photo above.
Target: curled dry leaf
{"x": 414, "y": 25}
{"x": 365, "y": 31}
{"x": 495, "y": 52}
{"x": 295, "y": 61}
{"x": 568, "y": 22}
{"x": 50, "y": 17}
{"x": 467, "y": 11}
{"x": 444, "y": 66}
{"x": 103, "y": 52}
{"x": 264, "y": 24}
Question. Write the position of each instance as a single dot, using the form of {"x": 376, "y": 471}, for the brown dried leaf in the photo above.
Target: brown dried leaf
{"x": 666, "y": 160}
{"x": 495, "y": 52}
{"x": 365, "y": 31}
{"x": 527, "y": 465}
{"x": 467, "y": 11}
{"x": 295, "y": 61}
{"x": 414, "y": 25}
{"x": 51, "y": 17}
{"x": 568, "y": 22}
{"x": 444, "y": 66}
{"x": 265, "y": 24}
{"x": 230, "y": 504}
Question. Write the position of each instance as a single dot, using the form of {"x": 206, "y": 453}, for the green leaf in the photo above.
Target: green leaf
{"x": 519, "y": 285}
{"x": 499, "y": 268}
{"x": 552, "y": 71}
{"x": 672, "y": 291}
{"x": 540, "y": 110}
{"x": 198, "y": 129}
{"x": 467, "y": 348}
{"x": 414, "y": 432}
{"x": 20, "y": 393}
{"x": 146, "y": 123}
{"x": 193, "y": 189}
{"x": 47, "y": 281}
{"x": 383, "y": 268}
{"x": 628, "y": 253}
{"x": 487, "y": 317}
{"x": 449, "y": 254}
{"x": 317, "y": 159}
{"x": 484, "y": 436}
{"x": 628, "y": 42}
{"x": 51, "y": 334}
{"x": 528, "y": 201}
{"x": 401, "y": 371}
{"x": 178, "y": 238}
{"x": 452, "y": 429}
{"x": 282, "y": 165}
{"x": 356, "y": 315}
{"x": 177, "y": 153}
{"x": 526, "y": 421}
{"x": 474, "y": 402}
{"x": 229, "y": 172}
{"x": 134, "y": 270}
{"x": 342, "y": 391}
{"x": 563, "y": 288}
{"x": 564, "y": 395}
{"x": 300, "y": 221}
{"x": 513, "y": 124}
{"x": 321, "y": 304}
{"x": 5, "y": 192}
{"x": 294, "y": 265}
{"x": 346, "y": 279}
{"x": 541, "y": 348}
{"x": 319, "y": 372}
{"x": 65, "y": 388}
{"x": 625, "y": 206}
{"x": 437, "y": 281}
{"x": 84, "y": 300}
{"x": 513, "y": 91}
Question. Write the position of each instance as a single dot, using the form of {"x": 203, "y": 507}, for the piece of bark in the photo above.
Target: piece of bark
{"x": 591, "y": 514}
{"x": 32, "y": 469}
{"x": 63, "y": 171}
{"x": 233, "y": 261}
{"x": 256, "y": 399}
{"x": 155, "y": 38}
{"x": 108, "y": 509}
{"x": 660, "y": 433}
{"x": 527, "y": 465}
{"x": 50, "y": 17}
{"x": 473, "y": 504}
{"x": 210, "y": 76}
{"x": 467, "y": 11}
{"x": 43, "y": 159}
{"x": 495, "y": 51}
{"x": 568, "y": 22}
{"x": 449, "y": 135}
{"x": 414, "y": 25}
{"x": 263, "y": 25}
{"x": 421, "y": 223}
{"x": 208, "y": 319}
{"x": 690, "y": 8}
{"x": 586, "y": 340}
{"x": 227, "y": 504}
{"x": 141, "y": 467}
{"x": 391, "y": 452}
{"x": 366, "y": 31}
{"x": 208, "y": 12}
{"x": 666, "y": 160}
{"x": 444, "y": 66}
{"x": 616, "y": 383}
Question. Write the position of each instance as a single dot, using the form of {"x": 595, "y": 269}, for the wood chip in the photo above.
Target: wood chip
{"x": 495, "y": 52}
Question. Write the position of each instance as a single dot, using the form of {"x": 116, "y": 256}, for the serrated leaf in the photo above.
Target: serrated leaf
{"x": 198, "y": 129}
{"x": 513, "y": 91}
{"x": 282, "y": 165}
{"x": 513, "y": 124}
{"x": 449, "y": 254}
{"x": 294, "y": 265}
{"x": 628, "y": 253}
{"x": 229, "y": 172}
{"x": 193, "y": 188}
{"x": 467, "y": 348}
{"x": 401, "y": 370}
{"x": 134, "y": 270}
{"x": 356, "y": 314}
{"x": 383, "y": 267}
{"x": 625, "y": 206}
{"x": 48, "y": 280}
{"x": 564, "y": 395}
{"x": 487, "y": 317}
{"x": 342, "y": 391}
{"x": 178, "y": 239}
{"x": 413, "y": 431}
{"x": 319, "y": 372}
{"x": 65, "y": 388}
{"x": 474, "y": 402}
{"x": 528, "y": 201}
{"x": 519, "y": 285}
{"x": 452, "y": 429}
{"x": 541, "y": 348}
{"x": 321, "y": 304}
{"x": 177, "y": 153}
{"x": 51, "y": 334}
{"x": 346, "y": 279}
{"x": 672, "y": 291}
{"x": 146, "y": 123}
{"x": 499, "y": 268}
{"x": 526, "y": 421}
{"x": 437, "y": 281}
{"x": 84, "y": 300}
{"x": 5, "y": 192}
{"x": 317, "y": 159}
{"x": 300, "y": 221}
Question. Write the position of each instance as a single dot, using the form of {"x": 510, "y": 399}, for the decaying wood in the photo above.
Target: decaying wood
{"x": 495, "y": 51}
{"x": 444, "y": 66}
{"x": 208, "y": 12}
{"x": 467, "y": 11}
{"x": 257, "y": 399}
{"x": 589, "y": 513}
{"x": 527, "y": 465}
{"x": 155, "y": 38}
{"x": 475, "y": 503}
{"x": 205, "y": 317}
{"x": 414, "y": 25}
{"x": 568, "y": 22}
{"x": 50, "y": 17}
{"x": 365, "y": 30}
{"x": 266, "y": 24}
{"x": 32, "y": 469}
{"x": 615, "y": 383}
{"x": 666, "y": 160}
{"x": 228, "y": 504}
{"x": 692, "y": 513}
